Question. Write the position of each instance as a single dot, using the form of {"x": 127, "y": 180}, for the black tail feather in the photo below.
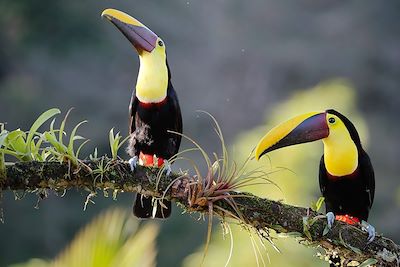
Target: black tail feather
{"x": 143, "y": 208}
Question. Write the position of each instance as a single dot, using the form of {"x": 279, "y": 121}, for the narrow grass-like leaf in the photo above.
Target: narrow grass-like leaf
{"x": 10, "y": 152}
{"x": 319, "y": 203}
{"x": 368, "y": 262}
{"x": 326, "y": 230}
{"x": 306, "y": 228}
{"x": 62, "y": 127}
{"x": 80, "y": 147}
{"x": 45, "y": 116}
{"x": 72, "y": 138}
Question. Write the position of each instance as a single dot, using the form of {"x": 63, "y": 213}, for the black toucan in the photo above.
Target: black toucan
{"x": 346, "y": 176}
{"x": 154, "y": 108}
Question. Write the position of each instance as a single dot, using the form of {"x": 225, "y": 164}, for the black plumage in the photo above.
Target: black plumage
{"x": 149, "y": 125}
{"x": 352, "y": 194}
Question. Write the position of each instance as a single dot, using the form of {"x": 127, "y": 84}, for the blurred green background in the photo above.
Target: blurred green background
{"x": 251, "y": 65}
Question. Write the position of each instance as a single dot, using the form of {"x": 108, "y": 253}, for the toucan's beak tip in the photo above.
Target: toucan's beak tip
{"x": 259, "y": 154}
{"x": 137, "y": 33}
{"x": 105, "y": 13}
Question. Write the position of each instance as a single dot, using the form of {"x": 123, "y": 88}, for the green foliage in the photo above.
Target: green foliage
{"x": 316, "y": 206}
{"x": 46, "y": 146}
{"x": 60, "y": 151}
{"x": 111, "y": 240}
{"x": 116, "y": 143}
{"x": 3, "y": 136}
{"x": 298, "y": 179}
{"x": 368, "y": 262}
{"x": 22, "y": 145}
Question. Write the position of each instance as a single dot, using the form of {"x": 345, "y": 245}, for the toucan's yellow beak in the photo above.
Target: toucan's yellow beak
{"x": 300, "y": 129}
{"x": 136, "y": 32}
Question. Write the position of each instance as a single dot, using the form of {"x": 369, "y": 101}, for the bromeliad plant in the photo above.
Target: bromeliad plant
{"x": 214, "y": 190}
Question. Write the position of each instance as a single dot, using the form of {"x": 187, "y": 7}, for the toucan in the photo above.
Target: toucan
{"x": 346, "y": 175}
{"x": 154, "y": 113}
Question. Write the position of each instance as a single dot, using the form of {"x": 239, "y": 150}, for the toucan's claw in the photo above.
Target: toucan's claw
{"x": 370, "y": 230}
{"x": 167, "y": 167}
{"x": 133, "y": 163}
{"x": 330, "y": 217}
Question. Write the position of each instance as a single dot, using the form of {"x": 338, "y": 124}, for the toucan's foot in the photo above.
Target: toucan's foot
{"x": 133, "y": 163}
{"x": 330, "y": 217}
{"x": 370, "y": 230}
{"x": 167, "y": 167}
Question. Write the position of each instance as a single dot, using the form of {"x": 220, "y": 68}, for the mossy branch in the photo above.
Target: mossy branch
{"x": 349, "y": 242}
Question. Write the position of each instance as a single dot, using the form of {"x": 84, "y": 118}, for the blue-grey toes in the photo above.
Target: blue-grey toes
{"x": 330, "y": 217}
{"x": 167, "y": 167}
{"x": 133, "y": 163}
{"x": 370, "y": 230}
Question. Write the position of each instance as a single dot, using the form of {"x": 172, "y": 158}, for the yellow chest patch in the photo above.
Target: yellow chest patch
{"x": 340, "y": 152}
{"x": 152, "y": 81}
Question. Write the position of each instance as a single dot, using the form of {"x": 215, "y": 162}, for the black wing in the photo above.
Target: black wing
{"x": 323, "y": 180}
{"x": 323, "y": 177}
{"x": 132, "y": 112}
{"x": 367, "y": 173}
{"x": 175, "y": 139}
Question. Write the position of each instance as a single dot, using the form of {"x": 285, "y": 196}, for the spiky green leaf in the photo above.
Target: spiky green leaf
{"x": 45, "y": 116}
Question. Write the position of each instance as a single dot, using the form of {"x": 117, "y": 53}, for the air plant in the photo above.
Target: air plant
{"x": 220, "y": 185}
{"x": 116, "y": 143}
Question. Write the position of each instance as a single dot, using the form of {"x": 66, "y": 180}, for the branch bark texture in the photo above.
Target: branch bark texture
{"x": 349, "y": 242}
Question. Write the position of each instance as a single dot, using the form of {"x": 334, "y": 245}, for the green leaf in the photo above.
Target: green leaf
{"x": 316, "y": 206}
{"x": 39, "y": 122}
{"x": 354, "y": 249}
{"x": 10, "y": 152}
{"x": 368, "y": 262}
{"x": 111, "y": 136}
{"x": 115, "y": 143}
{"x": 52, "y": 139}
{"x": 62, "y": 126}
{"x": 306, "y": 228}
{"x": 3, "y": 137}
{"x": 290, "y": 234}
{"x": 109, "y": 240}
{"x": 94, "y": 155}
{"x": 80, "y": 147}
{"x": 16, "y": 141}
{"x": 326, "y": 230}
{"x": 319, "y": 203}
{"x": 72, "y": 138}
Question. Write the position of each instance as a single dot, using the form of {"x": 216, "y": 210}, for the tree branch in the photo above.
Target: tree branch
{"x": 349, "y": 242}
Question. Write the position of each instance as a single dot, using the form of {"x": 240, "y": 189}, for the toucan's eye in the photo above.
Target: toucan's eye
{"x": 331, "y": 120}
{"x": 160, "y": 43}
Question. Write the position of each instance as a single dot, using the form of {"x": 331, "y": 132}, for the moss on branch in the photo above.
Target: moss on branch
{"x": 349, "y": 242}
